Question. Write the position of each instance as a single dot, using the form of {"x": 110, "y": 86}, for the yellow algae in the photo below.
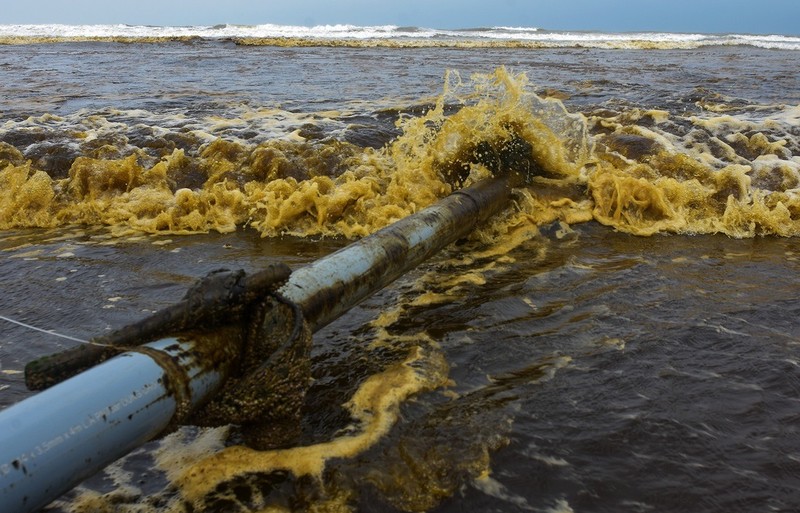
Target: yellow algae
{"x": 634, "y": 203}
{"x": 374, "y": 409}
{"x": 9, "y": 155}
{"x": 726, "y": 175}
{"x": 329, "y": 188}
{"x": 25, "y": 197}
{"x": 688, "y": 198}
{"x": 628, "y": 170}
{"x": 433, "y": 298}
{"x": 95, "y": 178}
{"x": 472, "y": 278}
{"x": 386, "y": 317}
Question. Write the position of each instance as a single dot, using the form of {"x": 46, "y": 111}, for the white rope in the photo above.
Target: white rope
{"x": 19, "y": 323}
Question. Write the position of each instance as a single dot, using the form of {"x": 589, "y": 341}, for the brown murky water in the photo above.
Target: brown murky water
{"x": 622, "y": 338}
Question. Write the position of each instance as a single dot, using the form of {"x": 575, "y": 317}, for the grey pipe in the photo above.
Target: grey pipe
{"x": 332, "y": 285}
{"x": 55, "y": 439}
{"x": 52, "y": 441}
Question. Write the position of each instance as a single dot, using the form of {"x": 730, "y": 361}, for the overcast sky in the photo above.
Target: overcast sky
{"x": 742, "y": 16}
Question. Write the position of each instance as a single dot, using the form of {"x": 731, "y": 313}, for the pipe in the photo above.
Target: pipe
{"x": 219, "y": 297}
{"x": 52, "y": 441}
{"x": 332, "y": 285}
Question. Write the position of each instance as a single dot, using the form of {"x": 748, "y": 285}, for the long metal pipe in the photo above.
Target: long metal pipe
{"x": 52, "y": 441}
{"x": 332, "y": 285}
{"x": 55, "y": 439}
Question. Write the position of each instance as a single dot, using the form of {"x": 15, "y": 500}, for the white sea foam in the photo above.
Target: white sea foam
{"x": 354, "y": 32}
{"x": 215, "y": 32}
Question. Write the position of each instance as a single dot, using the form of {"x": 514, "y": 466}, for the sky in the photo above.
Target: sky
{"x": 709, "y": 16}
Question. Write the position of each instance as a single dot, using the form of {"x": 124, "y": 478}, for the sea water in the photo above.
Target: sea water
{"x": 623, "y": 337}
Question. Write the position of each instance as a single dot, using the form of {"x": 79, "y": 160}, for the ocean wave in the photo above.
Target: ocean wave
{"x": 212, "y": 32}
{"x": 391, "y": 35}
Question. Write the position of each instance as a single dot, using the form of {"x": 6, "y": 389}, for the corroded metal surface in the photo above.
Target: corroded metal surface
{"x": 332, "y": 285}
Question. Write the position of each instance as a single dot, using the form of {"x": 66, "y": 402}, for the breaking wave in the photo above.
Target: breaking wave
{"x": 387, "y": 35}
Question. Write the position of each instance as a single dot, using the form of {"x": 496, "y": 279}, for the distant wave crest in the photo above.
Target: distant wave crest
{"x": 390, "y": 35}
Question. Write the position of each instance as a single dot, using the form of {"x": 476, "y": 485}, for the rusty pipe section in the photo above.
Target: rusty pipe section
{"x": 332, "y": 285}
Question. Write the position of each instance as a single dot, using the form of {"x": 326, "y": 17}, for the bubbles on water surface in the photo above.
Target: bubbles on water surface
{"x": 727, "y": 167}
